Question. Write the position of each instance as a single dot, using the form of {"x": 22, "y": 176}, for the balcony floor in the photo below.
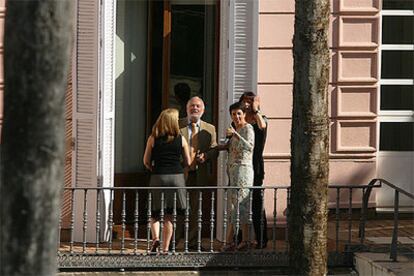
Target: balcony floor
{"x": 378, "y": 233}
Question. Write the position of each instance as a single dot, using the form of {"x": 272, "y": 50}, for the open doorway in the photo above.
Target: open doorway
{"x": 160, "y": 47}
{"x": 182, "y": 51}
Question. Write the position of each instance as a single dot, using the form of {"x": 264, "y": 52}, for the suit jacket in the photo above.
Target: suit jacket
{"x": 207, "y": 143}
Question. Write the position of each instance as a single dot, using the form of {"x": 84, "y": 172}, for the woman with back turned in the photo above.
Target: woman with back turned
{"x": 163, "y": 153}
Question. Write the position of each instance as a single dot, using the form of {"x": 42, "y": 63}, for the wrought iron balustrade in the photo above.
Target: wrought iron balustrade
{"x": 89, "y": 222}
{"x": 375, "y": 183}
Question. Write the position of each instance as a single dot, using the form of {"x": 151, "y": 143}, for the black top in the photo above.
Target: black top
{"x": 259, "y": 143}
{"x": 166, "y": 157}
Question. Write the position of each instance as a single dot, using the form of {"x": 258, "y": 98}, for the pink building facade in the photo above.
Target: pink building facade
{"x": 353, "y": 88}
{"x": 123, "y": 55}
{"x": 365, "y": 91}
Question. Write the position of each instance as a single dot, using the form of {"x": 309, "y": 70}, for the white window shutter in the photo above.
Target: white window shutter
{"x": 106, "y": 164}
{"x": 107, "y": 108}
{"x": 243, "y": 47}
{"x": 85, "y": 95}
{"x": 85, "y": 115}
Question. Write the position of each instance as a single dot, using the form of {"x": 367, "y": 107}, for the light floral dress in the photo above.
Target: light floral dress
{"x": 240, "y": 171}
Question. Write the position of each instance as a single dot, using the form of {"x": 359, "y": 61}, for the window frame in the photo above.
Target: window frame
{"x": 395, "y": 116}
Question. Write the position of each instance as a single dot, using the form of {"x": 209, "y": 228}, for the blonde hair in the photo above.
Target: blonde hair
{"x": 166, "y": 125}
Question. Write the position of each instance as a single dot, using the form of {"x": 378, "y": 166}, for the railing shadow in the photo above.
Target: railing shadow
{"x": 378, "y": 182}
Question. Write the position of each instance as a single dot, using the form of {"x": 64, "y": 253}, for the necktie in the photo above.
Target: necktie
{"x": 194, "y": 145}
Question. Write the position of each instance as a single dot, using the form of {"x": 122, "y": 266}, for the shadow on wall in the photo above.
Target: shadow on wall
{"x": 130, "y": 85}
{"x": 350, "y": 173}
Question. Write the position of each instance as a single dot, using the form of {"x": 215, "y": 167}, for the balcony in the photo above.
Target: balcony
{"x": 110, "y": 227}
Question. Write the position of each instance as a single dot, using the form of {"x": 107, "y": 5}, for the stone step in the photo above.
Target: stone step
{"x": 380, "y": 264}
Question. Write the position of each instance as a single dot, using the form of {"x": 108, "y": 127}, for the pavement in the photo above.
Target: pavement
{"x": 380, "y": 264}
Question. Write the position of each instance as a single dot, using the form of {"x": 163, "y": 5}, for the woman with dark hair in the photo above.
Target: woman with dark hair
{"x": 240, "y": 172}
{"x": 259, "y": 122}
{"x": 163, "y": 153}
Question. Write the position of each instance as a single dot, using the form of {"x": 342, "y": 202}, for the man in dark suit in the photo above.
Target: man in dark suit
{"x": 201, "y": 137}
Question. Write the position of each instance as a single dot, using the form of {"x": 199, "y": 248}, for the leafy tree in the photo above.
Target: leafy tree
{"x": 38, "y": 36}
{"x": 309, "y": 140}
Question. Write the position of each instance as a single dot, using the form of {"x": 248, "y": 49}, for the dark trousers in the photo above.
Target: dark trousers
{"x": 194, "y": 206}
{"x": 259, "y": 218}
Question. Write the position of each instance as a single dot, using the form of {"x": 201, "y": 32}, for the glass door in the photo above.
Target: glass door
{"x": 183, "y": 55}
{"x": 192, "y": 62}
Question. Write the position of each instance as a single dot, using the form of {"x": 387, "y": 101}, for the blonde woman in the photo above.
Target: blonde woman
{"x": 163, "y": 154}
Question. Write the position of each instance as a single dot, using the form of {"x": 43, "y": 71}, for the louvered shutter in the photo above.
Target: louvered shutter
{"x": 85, "y": 96}
{"x": 243, "y": 47}
{"x": 65, "y": 205}
{"x": 85, "y": 110}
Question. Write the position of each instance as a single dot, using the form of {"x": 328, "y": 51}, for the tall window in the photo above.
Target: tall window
{"x": 396, "y": 84}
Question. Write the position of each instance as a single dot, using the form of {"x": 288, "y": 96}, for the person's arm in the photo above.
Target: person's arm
{"x": 260, "y": 120}
{"x": 147, "y": 153}
{"x": 259, "y": 117}
{"x": 247, "y": 139}
{"x": 222, "y": 147}
{"x": 212, "y": 152}
{"x": 186, "y": 152}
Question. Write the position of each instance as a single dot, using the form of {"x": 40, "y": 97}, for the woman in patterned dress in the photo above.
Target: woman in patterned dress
{"x": 240, "y": 172}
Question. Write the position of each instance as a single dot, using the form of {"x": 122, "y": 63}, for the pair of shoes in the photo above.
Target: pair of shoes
{"x": 244, "y": 245}
{"x": 228, "y": 247}
{"x": 155, "y": 245}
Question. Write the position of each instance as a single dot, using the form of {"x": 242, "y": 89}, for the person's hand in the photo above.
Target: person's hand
{"x": 221, "y": 147}
{"x": 230, "y": 131}
{"x": 256, "y": 104}
{"x": 201, "y": 157}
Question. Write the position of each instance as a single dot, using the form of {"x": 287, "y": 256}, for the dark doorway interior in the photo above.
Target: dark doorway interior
{"x": 163, "y": 45}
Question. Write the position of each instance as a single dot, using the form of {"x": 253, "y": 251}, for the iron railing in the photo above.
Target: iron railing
{"x": 130, "y": 220}
{"x": 373, "y": 184}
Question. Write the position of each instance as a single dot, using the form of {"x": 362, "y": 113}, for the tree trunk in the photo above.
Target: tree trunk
{"x": 307, "y": 213}
{"x": 38, "y": 39}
